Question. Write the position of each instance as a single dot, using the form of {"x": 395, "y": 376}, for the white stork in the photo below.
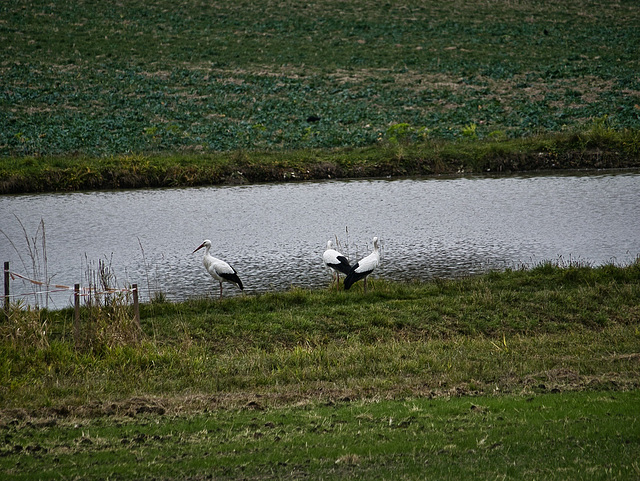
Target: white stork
{"x": 219, "y": 269}
{"x": 363, "y": 268}
{"x": 335, "y": 262}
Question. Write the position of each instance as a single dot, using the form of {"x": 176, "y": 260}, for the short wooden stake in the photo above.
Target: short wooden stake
{"x": 76, "y": 319}
{"x": 7, "y": 305}
{"x": 136, "y": 305}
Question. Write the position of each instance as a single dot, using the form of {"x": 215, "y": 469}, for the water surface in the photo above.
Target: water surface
{"x": 274, "y": 234}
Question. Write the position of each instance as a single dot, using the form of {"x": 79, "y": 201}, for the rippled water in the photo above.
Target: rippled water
{"x": 274, "y": 234}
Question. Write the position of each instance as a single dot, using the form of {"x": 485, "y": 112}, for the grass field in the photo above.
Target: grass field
{"x": 526, "y": 373}
{"x": 118, "y": 80}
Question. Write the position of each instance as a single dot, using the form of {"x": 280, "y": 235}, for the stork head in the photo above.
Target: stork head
{"x": 375, "y": 242}
{"x": 329, "y": 245}
{"x": 206, "y": 243}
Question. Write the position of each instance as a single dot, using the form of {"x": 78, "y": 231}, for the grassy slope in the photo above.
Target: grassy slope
{"x": 93, "y": 93}
{"x": 597, "y": 148}
{"x": 521, "y": 373}
{"x": 515, "y": 331}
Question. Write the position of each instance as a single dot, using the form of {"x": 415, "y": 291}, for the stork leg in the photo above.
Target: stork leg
{"x": 335, "y": 277}
{"x": 365, "y": 285}
{"x": 220, "y": 290}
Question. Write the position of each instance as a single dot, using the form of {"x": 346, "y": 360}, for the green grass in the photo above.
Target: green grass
{"x": 599, "y": 147}
{"x": 550, "y": 326}
{"x": 522, "y": 373}
{"x": 112, "y": 83}
{"x": 554, "y": 436}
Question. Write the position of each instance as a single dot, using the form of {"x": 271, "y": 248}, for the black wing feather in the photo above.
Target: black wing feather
{"x": 344, "y": 265}
{"x": 232, "y": 277}
{"x": 354, "y": 276}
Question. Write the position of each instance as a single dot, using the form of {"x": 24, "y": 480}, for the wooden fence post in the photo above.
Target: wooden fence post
{"x": 6, "y": 290}
{"x": 136, "y": 305}
{"x": 76, "y": 318}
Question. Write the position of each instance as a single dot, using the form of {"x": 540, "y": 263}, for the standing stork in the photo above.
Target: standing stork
{"x": 218, "y": 269}
{"x": 335, "y": 262}
{"x": 363, "y": 267}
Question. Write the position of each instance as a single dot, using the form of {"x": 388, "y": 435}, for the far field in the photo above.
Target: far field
{"x": 108, "y": 78}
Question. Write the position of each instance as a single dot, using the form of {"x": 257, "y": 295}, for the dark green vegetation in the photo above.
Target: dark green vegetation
{"x": 524, "y": 373}
{"x": 93, "y": 92}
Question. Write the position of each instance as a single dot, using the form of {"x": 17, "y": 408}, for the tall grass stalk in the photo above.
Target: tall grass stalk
{"x": 26, "y": 328}
{"x": 36, "y": 266}
{"x": 153, "y": 294}
{"x": 108, "y": 319}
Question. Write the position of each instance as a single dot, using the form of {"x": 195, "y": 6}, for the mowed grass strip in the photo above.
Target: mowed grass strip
{"x": 580, "y": 435}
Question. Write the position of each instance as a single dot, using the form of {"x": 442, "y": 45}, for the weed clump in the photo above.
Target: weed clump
{"x": 25, "y": 327}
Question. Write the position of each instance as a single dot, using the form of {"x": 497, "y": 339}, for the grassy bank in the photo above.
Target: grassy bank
{"x": 599, "y": 147}
{"x": 518, "y": 331}
{"x": 110, "y": 96}
{"x": 519, "y": 373}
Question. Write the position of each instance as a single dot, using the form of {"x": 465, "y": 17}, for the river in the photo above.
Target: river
{"x": 274, "y": 234}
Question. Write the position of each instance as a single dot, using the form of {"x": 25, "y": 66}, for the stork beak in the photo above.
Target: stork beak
{"x": 201, "y": 246}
